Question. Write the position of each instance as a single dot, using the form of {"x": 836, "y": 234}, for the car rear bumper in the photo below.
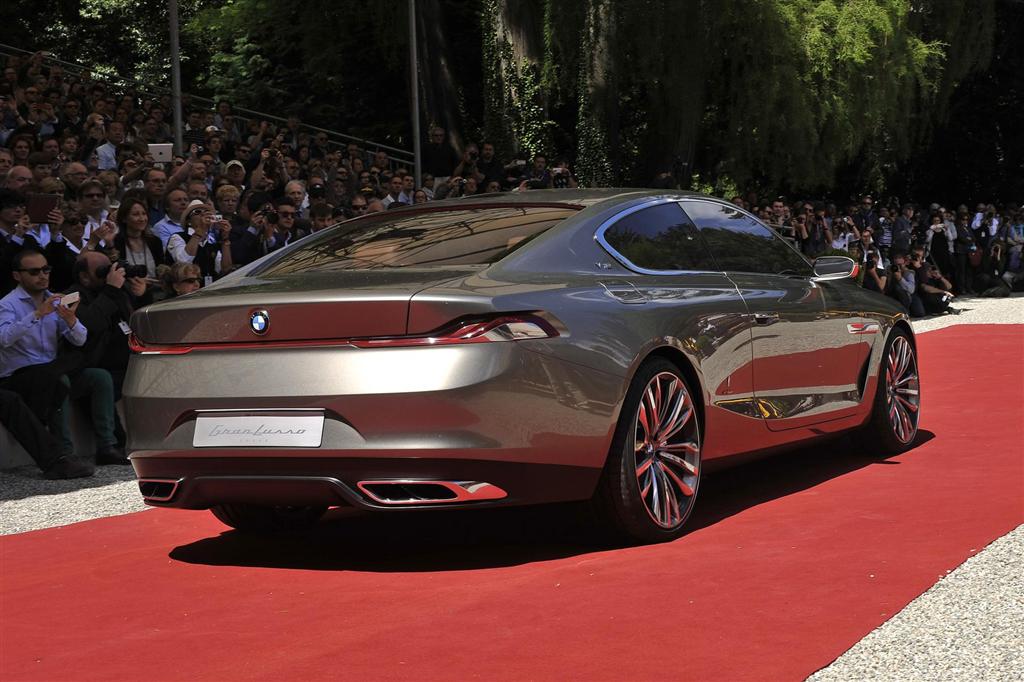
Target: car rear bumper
{"x": 201, "y": 482}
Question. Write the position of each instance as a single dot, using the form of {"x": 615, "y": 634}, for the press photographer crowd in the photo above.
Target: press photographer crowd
{"x": 99, "y": 217}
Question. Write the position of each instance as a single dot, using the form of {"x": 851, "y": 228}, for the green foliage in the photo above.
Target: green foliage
{"x": 790, "y": 94}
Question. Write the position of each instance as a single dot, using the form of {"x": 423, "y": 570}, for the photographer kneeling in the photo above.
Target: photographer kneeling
{"x": 108, "y": 294}
{"x": 902, "y": 285}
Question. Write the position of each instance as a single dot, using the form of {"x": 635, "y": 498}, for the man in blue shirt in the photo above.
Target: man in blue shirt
{"x": 32, "y": 321}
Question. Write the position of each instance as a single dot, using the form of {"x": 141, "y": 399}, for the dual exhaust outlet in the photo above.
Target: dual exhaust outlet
{"x": 391, "y": 493}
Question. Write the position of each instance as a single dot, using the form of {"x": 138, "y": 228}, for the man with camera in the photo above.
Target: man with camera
{"x": 110, "y": 292}
{"x": 902, "y": 284}
{"x": 32, "y": 322}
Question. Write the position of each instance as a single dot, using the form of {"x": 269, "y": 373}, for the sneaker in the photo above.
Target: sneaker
{"x": 68, "y": 467}
{"x": 110, "y": 454}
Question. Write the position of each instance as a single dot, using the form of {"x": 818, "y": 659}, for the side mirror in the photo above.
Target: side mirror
{"x": 835, "y": 267}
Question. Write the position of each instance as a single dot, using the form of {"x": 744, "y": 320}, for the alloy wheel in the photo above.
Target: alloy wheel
{"x": 903, "y": 394}
{"x": 667, "y": 450}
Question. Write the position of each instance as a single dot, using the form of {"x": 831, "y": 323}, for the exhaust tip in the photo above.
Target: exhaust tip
{"x": 419, "y": 492}
{"x": 158, "y": 489}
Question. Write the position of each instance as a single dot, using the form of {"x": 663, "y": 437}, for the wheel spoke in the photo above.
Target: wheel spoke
{"x": 644, "y": 466}
{"x": 652, "y": 412}
{"x": 644, "y": 420}
{"x": 906, "y": 403}
{"x": 679, "y": 424}
{"x": 683, "y": 487}
{"x": 668, "y": 401}
{"x": 673, "y": 415}
{"x": 666, "y": 496}
{"x": 678, "y": 461}
{"x": 655, "y": 504}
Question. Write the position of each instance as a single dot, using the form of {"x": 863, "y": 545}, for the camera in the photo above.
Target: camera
{"x": 129, "y": 270}
{"x": 271, "y": 216}
{"x": 317, "y": 192}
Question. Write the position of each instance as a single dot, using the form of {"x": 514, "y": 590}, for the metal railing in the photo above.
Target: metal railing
{"x": 397, "y": 155}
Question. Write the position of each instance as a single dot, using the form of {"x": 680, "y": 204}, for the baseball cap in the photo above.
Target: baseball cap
{"x": 234, "y": 162}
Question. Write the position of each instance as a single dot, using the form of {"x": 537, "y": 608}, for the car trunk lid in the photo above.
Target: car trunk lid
{"x": 301, "y": 306}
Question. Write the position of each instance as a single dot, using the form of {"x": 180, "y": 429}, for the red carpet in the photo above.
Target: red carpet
{"x": 792, "y": 561}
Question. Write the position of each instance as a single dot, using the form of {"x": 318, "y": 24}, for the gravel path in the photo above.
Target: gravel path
{"x": 29, "y": 502}
{"x": 969, "y": 626}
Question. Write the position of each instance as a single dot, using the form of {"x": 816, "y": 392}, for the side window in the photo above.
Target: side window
{"x": 741, "y": 244}
{"x": 659, "y": 238}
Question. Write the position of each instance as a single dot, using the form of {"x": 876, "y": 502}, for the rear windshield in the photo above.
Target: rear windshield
{"x": 443, "y": 238}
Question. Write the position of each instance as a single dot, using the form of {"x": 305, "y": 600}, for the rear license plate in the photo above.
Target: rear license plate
{"x": 299, "y": 431}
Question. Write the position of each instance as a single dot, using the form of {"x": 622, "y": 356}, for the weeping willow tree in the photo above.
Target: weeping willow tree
{"x": 783, "y": 93}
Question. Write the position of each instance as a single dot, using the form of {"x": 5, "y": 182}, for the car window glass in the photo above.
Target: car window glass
{"x": 659, "y": 238}
{"x": 741, "y": 244}
{"x": 416, "y": 239}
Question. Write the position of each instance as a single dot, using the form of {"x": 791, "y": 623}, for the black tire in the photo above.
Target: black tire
{"x": 621, "y": 505}
{"x": 883, "y": 434}
{"x": 251, "y": 518}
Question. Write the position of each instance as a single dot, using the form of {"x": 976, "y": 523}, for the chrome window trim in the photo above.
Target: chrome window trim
{"x": 625, "y": 262}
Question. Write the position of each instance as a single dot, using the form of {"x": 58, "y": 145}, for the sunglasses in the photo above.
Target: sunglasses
{"x": 34, "y": 272}
{"x": 286, "y": 214}
{"x": 189, "y": 280}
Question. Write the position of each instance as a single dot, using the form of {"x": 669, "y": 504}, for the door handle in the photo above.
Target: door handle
{"x": 766, "y": 318}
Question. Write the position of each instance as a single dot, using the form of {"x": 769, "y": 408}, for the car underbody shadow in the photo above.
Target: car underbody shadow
{"x": 455, "y": 540}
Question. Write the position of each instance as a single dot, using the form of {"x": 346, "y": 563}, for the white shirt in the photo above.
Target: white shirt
{"x": 91, "y": 224}
{"x": 176, "y": 247}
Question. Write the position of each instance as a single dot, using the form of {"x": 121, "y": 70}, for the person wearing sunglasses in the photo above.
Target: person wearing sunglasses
{"x": 180, "y": 279}
{"x": 92, "y": 197}
{"x": 33, "y": 320}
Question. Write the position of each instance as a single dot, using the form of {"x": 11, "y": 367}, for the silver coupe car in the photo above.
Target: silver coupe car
{"x": 602, "y": 345}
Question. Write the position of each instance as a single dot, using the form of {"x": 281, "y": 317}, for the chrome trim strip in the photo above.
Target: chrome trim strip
{"x": 465, "y": 491}
{"x": 863, "y": 327}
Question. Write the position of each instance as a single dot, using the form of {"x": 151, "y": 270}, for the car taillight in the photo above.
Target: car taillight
{"x": 137, "y": 345}
{"x": 518, "y": 327}
{"x": 505, "y": 327}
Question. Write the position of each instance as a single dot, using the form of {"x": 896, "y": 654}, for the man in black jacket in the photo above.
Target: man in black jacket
{"x": 108, "y": 299}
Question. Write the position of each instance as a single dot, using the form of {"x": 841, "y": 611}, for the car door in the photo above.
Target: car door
{"x": 804, "y": 359}
{"x": 677, "y": 291}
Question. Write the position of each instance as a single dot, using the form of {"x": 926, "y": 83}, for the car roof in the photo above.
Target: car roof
{"x": 575, "y": 197}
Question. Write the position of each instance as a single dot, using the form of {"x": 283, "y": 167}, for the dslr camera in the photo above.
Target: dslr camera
{"x": 129, "y": 270}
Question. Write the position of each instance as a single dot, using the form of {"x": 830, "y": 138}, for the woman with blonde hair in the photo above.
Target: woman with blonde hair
{"x": 180, "y": 279}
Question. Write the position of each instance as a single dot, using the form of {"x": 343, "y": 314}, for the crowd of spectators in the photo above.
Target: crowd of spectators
{"x": 922, "y": 256}
{"x": 90, "y": 208}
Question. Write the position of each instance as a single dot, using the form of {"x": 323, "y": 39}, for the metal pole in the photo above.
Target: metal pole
{"x": 172, "y": 8}
{"x": 414, "y": 92}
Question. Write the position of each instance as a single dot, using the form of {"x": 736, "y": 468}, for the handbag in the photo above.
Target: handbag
{"x": 974, "y": 258}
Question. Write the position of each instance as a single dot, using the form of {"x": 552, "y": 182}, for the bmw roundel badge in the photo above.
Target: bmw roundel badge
{"x": 259, "y": 322}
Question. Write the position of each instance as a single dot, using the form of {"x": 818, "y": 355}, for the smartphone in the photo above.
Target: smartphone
{"x": 68, "y": 300}
{"x": 38, "y": 206}
{"x": 162, "y": 153}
